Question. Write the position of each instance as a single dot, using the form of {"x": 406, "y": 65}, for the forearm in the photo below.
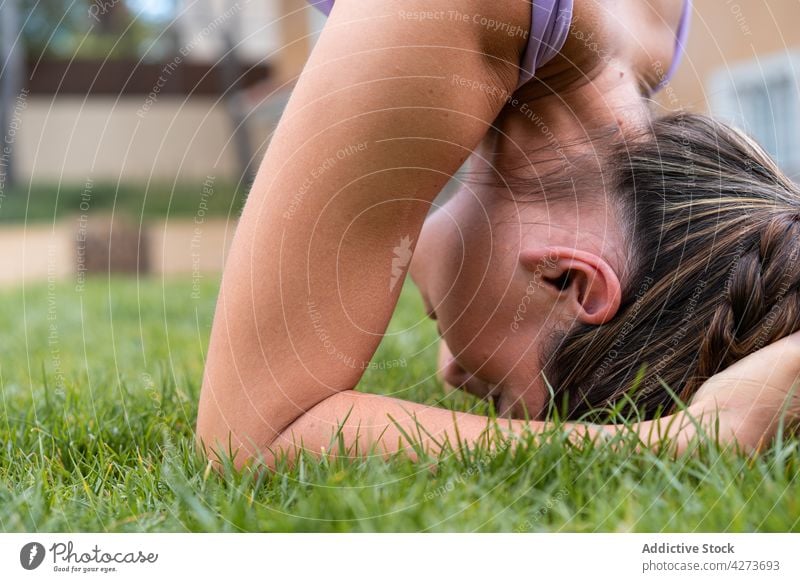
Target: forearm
{"x": 742, "y": 407}
{"x": 355, "y": 424}
{"x": 676, "y": 431}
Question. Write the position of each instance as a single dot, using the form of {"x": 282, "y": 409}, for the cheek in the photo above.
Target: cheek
{"x": 479, "y": 293}
{"x": 477, "y": 316}
{"x": 498, "y": 328}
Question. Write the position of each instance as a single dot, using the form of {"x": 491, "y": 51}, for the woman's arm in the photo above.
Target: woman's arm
{"x": 378, "y": 122}
{"x": 392, "y": 101}
{"x": 741, "y": 406}
{"x": 367, "y": 422}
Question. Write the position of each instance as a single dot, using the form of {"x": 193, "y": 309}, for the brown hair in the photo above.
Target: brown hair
{"x": 714, "y": 237}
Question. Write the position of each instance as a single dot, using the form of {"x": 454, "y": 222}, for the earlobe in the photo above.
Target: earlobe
{"x": 584, "y": 280}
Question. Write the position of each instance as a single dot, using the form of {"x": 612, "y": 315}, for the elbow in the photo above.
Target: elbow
{"x": 228, "y": 440}
{"x": 213, "y": 441}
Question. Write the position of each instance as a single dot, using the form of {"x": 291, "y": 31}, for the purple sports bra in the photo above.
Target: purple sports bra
{"x": 550, "y": 20}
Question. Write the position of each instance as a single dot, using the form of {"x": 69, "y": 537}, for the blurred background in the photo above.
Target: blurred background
{"x": 131, "y": 128}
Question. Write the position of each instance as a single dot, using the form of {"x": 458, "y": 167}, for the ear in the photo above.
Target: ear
{"x": 586, "y": 283}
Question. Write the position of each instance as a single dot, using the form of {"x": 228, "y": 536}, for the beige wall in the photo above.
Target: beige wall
{"x": 67, "y": 139}
{"x": 39, "y": 252}
{"x": 728, "y": 32}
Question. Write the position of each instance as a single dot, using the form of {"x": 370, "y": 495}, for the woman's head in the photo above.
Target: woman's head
{"x": 676, "y": 259}
{"x": 714, "y": 230}
{"x": 503, "y": 272}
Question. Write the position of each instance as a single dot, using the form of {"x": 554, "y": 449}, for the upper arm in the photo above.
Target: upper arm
{"x": 374, "y": 128}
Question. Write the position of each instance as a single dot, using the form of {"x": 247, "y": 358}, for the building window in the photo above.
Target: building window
{"x": 762, "y": 98}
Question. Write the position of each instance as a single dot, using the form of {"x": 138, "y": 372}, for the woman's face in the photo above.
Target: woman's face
{"x": 485, "y": 268}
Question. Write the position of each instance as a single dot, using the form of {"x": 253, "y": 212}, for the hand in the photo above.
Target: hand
{"x": 751, "y": 396}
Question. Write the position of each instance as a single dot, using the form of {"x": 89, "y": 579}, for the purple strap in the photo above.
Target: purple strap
{"x": 680, "y": 44}
{"x": 323, "y": 5}
{"x": 550, "y": 20}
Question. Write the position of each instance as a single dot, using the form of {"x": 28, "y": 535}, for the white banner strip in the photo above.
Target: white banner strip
{"x": 400, "y": 557}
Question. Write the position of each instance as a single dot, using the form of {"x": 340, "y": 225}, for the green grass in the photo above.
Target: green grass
{"x": 48, "y": 202}
{"x": 99, "y": 393}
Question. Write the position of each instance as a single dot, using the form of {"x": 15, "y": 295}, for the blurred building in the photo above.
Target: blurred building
{"x": 143, "y": 94}
{"x": 742, "y": 65}
{"x": 195, "y": 96}
{"x": 221, "y": 70}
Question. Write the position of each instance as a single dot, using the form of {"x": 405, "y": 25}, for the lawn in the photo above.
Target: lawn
{"x": 99, "y": 392}
{"x": 41, "y": 202}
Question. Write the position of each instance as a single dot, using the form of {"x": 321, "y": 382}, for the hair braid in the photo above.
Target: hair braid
{"x": 762, "y": 302}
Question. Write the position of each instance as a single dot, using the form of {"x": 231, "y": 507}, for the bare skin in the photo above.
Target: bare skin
{"x": 374, "y": 129}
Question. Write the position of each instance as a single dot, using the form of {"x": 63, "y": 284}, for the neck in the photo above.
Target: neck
{"x": 550, "y": 132}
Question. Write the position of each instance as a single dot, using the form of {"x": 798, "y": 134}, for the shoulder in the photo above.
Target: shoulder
{"x": 635, "y": 35}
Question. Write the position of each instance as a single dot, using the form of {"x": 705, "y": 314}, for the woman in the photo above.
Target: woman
{"x": 387, "y": 109}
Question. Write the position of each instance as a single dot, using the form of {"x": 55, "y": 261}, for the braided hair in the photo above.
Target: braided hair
{"x": 762, "y": 302}
{"x": 713, "y": 273}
